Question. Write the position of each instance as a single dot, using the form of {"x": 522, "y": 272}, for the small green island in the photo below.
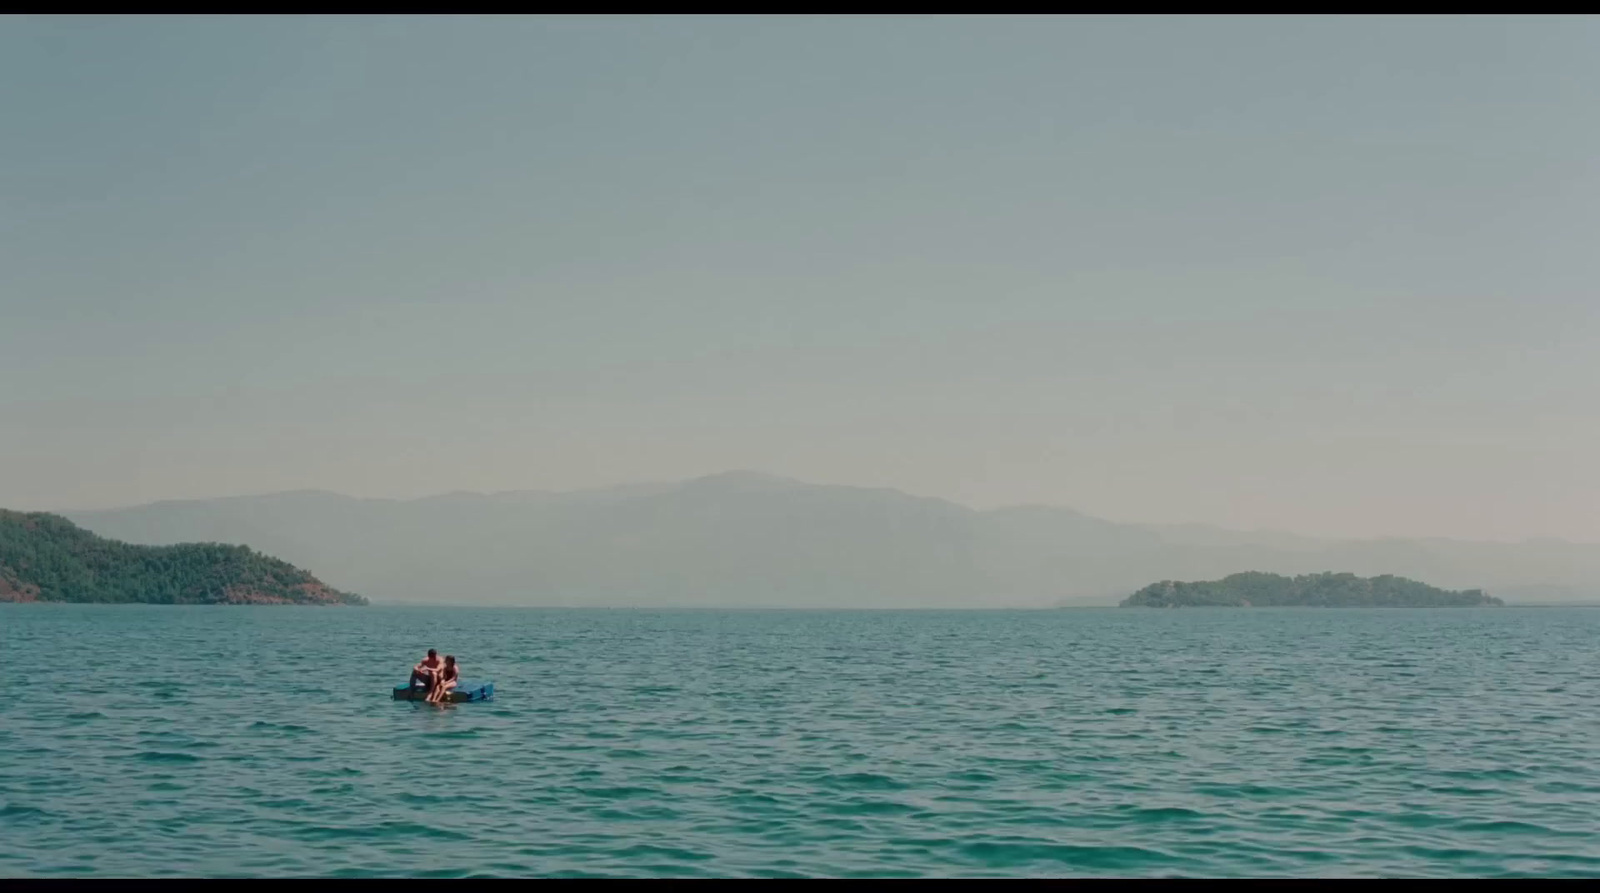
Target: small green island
{"x": 1328, "y": 590}
{"x": 46, "y": 558}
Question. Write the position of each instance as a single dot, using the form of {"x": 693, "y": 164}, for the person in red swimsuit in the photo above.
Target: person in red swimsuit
{"x": 447, "y": 679}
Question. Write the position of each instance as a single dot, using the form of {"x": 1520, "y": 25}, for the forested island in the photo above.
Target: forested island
{"x": 47, "y": 558}
{"x": 1258, "y": 590}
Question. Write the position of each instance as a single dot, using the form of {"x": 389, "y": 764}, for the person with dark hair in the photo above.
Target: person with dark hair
{"x": 445, "y": 680}
{"x": 425, "y": 670}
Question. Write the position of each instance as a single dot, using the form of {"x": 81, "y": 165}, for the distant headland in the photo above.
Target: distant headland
{"x": 47, "y": 558}
{"x": 1258, "y": 590}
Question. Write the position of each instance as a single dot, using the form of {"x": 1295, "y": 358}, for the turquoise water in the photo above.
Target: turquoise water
{"x": 142, "y": 741}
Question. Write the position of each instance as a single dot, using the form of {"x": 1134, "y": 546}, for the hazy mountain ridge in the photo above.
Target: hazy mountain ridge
{"x": 743, "y": 538}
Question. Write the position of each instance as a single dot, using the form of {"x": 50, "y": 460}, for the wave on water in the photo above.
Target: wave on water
{"x": 805, "y": 744}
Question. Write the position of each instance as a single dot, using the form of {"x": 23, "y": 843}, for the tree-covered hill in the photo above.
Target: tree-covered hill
{"x": 1260, "y": 590}
{"x": 47, "y": 558}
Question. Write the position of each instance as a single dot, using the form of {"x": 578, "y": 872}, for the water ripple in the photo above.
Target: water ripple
{"x": 261, "y": 742}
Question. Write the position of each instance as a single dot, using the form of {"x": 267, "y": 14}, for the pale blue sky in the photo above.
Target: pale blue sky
{"x": 1337, "y": 276}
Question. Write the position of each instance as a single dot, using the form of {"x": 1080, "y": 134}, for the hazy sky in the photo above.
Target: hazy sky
{"x": 1338, "y": 276}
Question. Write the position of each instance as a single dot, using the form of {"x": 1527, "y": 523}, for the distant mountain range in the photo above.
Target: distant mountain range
{"x": 746, "y": 539}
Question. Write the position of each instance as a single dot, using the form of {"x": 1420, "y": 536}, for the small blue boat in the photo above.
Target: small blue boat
{"x": 462, "y": 693}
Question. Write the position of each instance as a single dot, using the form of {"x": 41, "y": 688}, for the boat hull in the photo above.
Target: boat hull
{"x": 461, "y": 694}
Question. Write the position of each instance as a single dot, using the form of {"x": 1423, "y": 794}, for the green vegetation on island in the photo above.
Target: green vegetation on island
{"x": 47, "y": 558}
{"x": 1258, "y": 590}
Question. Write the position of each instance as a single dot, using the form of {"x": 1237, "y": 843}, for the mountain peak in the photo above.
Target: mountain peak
{"x": 741, "y": 479}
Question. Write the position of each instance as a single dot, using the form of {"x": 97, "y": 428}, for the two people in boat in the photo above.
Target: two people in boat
{"x": 439, "y": 678}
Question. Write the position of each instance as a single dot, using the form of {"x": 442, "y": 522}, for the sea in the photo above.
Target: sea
{"x": 157, "y": 741}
